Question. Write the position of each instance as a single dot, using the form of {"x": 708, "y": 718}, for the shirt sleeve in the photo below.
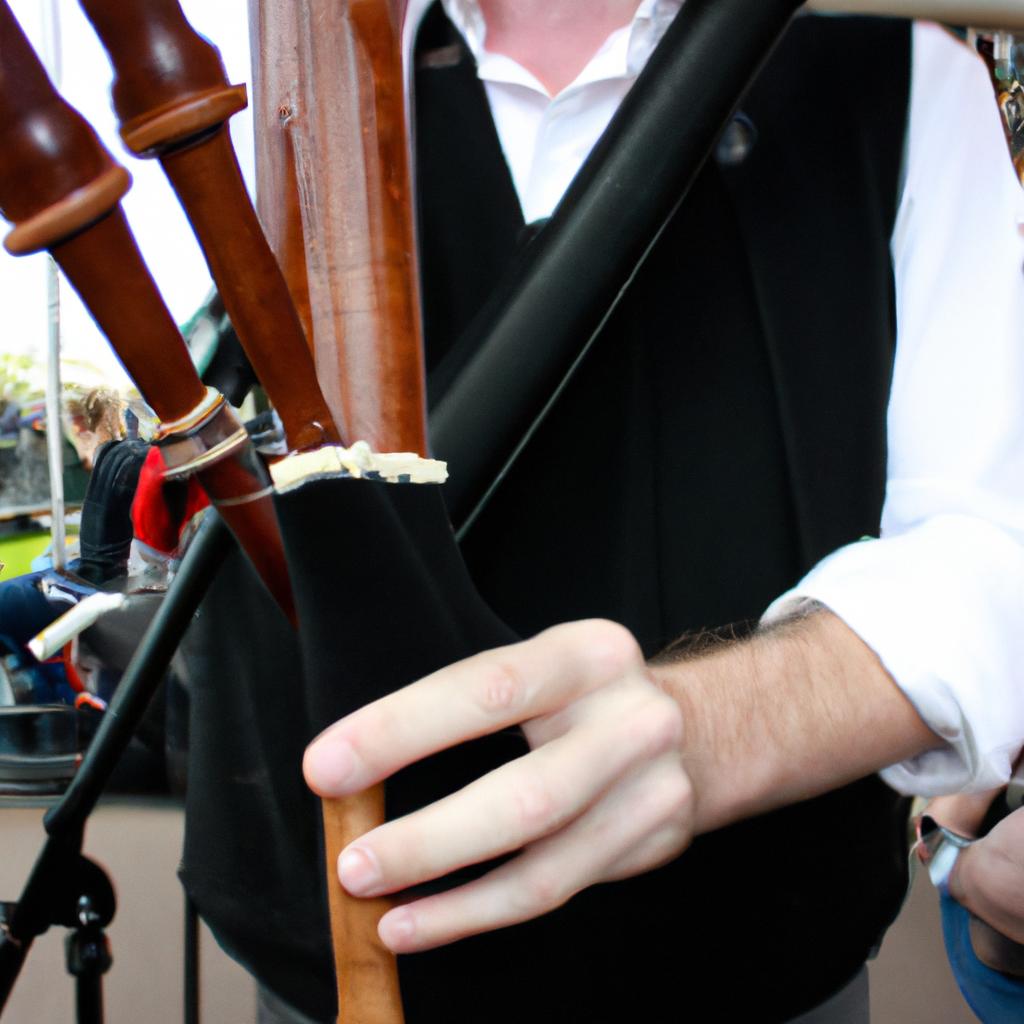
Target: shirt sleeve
{"x": 939, "y": 596}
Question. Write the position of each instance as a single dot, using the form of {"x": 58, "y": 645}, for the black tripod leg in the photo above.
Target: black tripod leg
{"x": 191, "y": 962}
{"x": 88, "y": 959}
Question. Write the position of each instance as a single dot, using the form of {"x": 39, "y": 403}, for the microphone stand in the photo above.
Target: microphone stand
{"x": 65, "y": 887}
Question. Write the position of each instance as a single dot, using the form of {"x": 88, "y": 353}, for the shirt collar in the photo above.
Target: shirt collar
{"x": 622, "y": 55}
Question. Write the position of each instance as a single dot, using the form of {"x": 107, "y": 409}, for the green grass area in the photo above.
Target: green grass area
{"x": 18, "y": 551}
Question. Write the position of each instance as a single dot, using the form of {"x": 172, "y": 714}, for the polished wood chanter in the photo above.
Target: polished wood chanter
{"x": 333, "y": 170}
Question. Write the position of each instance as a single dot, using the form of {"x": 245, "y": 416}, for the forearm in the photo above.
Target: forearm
{"x": 796, "y": 710}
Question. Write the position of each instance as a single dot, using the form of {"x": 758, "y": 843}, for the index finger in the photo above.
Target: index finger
{"x": 468, "y": 699}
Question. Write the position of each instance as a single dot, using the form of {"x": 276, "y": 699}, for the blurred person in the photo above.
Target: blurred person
{"x": 94, "y": 418}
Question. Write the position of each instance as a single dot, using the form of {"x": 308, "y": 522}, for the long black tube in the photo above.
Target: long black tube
{"x": 527, "y": 340}
{"x": 191, "y": 966}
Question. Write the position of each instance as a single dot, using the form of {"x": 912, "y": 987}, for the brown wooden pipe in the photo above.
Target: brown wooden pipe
{"x": 273, "y": 32}
{"x": 173, "y": 99}
{"x": 62, "y": 191}
{"x": 364, "y": 291}
{"x": 347, "y": 125}
{"x": 331, "y": 98}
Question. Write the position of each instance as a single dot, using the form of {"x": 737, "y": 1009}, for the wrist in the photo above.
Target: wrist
{"x": 795, "y": 710}
{"x": 733, "y": 742}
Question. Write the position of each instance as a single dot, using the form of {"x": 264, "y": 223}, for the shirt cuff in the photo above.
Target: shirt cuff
{"x": 941, "y": 606}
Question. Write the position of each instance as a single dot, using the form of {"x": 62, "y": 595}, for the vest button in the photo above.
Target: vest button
{"x": 736, "y": 141}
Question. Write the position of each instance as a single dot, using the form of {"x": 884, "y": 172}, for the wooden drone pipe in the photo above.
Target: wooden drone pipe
{"x": 331, "y": 99}
{"x": 343, "y": 112}
{"x": 273, "y": 32}
{"x": 173, "y": 98}
{"x": 62, "y": 191}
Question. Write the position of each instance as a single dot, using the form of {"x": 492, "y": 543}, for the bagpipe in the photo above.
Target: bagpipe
{"x": 350, "y": 576}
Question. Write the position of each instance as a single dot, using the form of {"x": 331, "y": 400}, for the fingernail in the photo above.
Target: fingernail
{"x": 329, "y": 766}
{"x": 396, "y": 929}
{"x": 358, "y": 870}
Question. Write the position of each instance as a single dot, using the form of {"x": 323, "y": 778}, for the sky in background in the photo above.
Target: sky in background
{"x": 161, "y": 229}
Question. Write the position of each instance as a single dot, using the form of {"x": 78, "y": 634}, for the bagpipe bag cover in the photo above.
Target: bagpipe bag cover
{"x": 383, "y": 598}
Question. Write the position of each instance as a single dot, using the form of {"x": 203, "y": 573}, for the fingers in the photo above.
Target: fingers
{"x": 639, "y": 827}
{"x": 601, "y": 795}
{"x": 471, "y": 698}
{"x": 517, "y": 803}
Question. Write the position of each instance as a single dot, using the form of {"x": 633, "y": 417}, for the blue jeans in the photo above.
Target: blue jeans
{"x": 24, "y": 612}
{"x": 996, "y": 998}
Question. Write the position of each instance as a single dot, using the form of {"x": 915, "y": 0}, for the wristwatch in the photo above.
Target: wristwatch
{"x": 937, "y": 848}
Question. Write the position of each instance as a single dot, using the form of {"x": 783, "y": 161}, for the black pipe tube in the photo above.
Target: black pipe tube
{"x": 191, "y": 966}
{"x": 526, "y": 341}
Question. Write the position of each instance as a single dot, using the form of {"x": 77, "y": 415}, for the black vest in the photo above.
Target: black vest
{"x": 724, "y": 434}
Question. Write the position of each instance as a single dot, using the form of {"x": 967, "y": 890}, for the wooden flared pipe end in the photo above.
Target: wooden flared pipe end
{"x": 55, "y": 174}
{"x": 170, "y": 83}
{"x": 67, "y": 216}
{"x": 155, "y": 132}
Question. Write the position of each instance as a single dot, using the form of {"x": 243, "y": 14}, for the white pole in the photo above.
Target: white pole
{"x": 54, "y": 424}
{"x": 981, "y": 14}
{"x": 54, "y": 419}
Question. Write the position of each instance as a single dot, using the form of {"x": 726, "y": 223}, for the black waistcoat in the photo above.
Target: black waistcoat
{"x": 725, "y": 433}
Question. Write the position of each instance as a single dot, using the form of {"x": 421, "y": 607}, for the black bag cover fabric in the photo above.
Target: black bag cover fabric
{"x": 383, "y": 599}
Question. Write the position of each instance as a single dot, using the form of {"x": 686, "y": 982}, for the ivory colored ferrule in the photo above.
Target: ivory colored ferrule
{"x": 196, "y": 454}
{"x": 209, "y": 433}
{"x": 214, "y": 438}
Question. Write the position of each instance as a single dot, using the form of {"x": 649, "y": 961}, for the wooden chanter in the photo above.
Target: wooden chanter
{"x": 334, "y": 142}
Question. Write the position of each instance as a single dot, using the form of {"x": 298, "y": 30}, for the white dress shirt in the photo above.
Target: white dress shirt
{"x": 940, "y": 596}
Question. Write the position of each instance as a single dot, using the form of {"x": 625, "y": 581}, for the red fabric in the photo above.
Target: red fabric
{"x": 74, "y": 679}
{"x": 158, "y": 515}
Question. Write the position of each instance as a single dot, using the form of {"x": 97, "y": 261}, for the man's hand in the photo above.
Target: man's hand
{"x": 605, "y": 791}
{"x": 602, "y": 795}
